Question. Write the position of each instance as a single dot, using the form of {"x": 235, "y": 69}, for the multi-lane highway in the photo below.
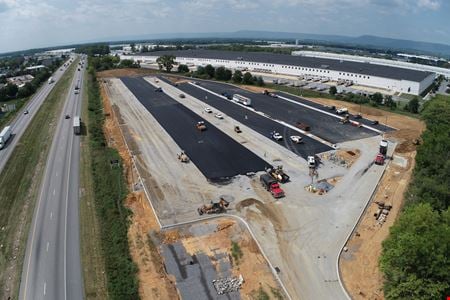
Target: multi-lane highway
{"x": 52, "y": 266}
{"x": 20, "y": 123}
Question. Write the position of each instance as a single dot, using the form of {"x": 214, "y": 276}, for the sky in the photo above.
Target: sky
{"x": 28, "y": 24}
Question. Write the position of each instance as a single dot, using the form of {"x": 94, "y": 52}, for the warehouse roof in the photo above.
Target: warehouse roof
{"x": 304, "y": 61}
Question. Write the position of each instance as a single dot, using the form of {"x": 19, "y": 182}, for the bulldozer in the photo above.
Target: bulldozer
{"x": 214, "y": 207}
{"x": 183, "y": 157}
{"x": 345, "y": 119}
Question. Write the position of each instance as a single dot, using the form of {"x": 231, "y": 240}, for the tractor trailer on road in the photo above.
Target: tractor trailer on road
{"x": 77, "y": 125}
{"x": 4, "y": 136}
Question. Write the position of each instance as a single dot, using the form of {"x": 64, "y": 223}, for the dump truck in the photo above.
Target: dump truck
{"x": 278, "y": 174}
{"x": 201, "y": 126}
{"x": 5, "y": 135}
{"x": 183, "y": 157}
{"x": 383, "y": 147}
{"x": 271, "y": 185}
{"x": 214, "y": 207}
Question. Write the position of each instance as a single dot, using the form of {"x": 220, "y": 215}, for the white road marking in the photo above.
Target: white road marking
{"x": 48, "y": 244}
{"x": 51, "y": 215}
{"x": 56, "y": 174}
{"x": 45, "y": 287}
{"x": 54, "y": 192}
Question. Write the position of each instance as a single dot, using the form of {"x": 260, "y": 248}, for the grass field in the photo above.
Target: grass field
{"x": 94, "y": 273}
{"x": 20, "y": 182}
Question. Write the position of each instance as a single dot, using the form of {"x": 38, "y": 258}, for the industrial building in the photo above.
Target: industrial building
{"x": 392, "y": 78}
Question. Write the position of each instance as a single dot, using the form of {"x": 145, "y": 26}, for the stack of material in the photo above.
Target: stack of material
{"x": 382, "y": 212}
{"x": 228, "y": 284}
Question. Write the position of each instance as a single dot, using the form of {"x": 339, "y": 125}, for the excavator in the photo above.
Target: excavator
{"x": 345, "y": 119}
{"x": 214, "y": 207}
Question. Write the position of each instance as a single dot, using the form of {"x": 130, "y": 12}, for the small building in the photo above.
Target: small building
{"x": 20, "y": 81}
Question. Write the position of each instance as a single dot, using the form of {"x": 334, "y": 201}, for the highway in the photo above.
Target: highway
{"x": 21, "y": 121}
{"x": 52, "y": 266}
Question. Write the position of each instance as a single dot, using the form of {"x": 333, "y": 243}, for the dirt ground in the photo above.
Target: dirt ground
{"x": 125, "y": 72}
{"x": 359, "y": 265}
{"x": 153, "y": 280}
{"x": 252, "y": 265}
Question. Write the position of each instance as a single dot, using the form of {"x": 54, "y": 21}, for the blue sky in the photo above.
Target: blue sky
{"x": 37, "y": 23}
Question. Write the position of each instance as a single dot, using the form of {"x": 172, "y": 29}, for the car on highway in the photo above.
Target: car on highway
{"x": 218, "y": 116}
{"x": 67, "y": 116}
{"x": 25, "y": 112}
{"x": 228, "y": 96}
{"x": 276, "y": 136}
{"x": 208, "y": 110}
{"x": 158, "y": 89}
{"x": 182, "y": 96}
{"x": 296, "y": 139}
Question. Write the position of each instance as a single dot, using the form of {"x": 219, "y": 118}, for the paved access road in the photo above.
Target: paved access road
{"x": 216, "y": 155}
{"x": 322, "y": 125}
{"x": 257, "y": 122}
{"x": 52, "y": 266}
{"x": 20, "y": 123}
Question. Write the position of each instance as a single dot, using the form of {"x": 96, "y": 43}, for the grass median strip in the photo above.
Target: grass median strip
{"x": 109, "y": 192}
{"x": 19, "y": 185}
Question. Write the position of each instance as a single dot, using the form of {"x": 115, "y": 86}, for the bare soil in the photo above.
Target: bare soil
{"x": 154, "y": 282}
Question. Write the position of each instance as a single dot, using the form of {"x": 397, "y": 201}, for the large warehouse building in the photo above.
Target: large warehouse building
{"x": 367, "y": 74}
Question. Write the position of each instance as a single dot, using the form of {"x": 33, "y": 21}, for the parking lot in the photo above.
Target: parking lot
{"x": 257, "y": 122}
{"x": 216, "y": 154}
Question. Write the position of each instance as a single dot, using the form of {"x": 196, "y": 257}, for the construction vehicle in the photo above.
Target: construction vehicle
{"x": 242, "y": 100}
{"x": 271, "y": 185}
{"x": 345, "y": 119}
{"x": 214, "y": 207}
{"x": 201, "y": 126}
{"x": 278, "y": 174}
{"x": 379, "y": 159}
{"x": 276, "y": 136}
{"x": 296, "y": 139}
{"x": 383, "y": 147}
{"x": 237, "y": 129}
{"x": 303, "y": 126}
{"x": 183, "y": 157}
{"x": 267, "y": 93}
{"x": 311, "y": 161}
{"x": 342, "y": 110}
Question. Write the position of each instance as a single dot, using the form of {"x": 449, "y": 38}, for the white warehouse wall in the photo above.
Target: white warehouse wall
{"x": 402, "y": 86}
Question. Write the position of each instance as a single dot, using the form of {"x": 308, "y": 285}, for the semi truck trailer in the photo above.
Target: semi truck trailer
{"x": 76, "y": 125}
{"x": 5, "y": 135}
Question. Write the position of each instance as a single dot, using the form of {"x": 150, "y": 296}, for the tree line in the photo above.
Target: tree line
{"x": 415, "y": 257}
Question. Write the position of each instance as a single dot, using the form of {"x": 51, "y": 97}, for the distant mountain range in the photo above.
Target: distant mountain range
{"x": 362, "y": 41}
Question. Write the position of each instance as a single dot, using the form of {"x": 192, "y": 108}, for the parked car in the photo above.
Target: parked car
{"x": 296, "y": 139}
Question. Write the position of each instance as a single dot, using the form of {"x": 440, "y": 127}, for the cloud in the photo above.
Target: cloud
{"x": 430, "y": 4}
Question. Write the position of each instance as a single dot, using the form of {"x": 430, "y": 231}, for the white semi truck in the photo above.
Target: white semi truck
{"x": 4, "y": 136}
{"x": 77, "y": 125}
{"x": 241, "y": 99}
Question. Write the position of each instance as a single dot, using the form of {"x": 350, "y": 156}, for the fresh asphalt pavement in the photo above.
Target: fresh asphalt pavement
{"x": 216, "y": 154}
{"x": 20, "y": 123}
{"x": 322, "y": 125}
{"x": 257, "y": 122}
{"x": 52, "y": 266}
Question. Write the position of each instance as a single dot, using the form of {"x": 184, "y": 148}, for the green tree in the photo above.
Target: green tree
{"x": 228, "y": 74}
{"x": 166, "y": 62}
{"x": 133, "y": 47}
{"x": 415, "y": 255}
{"x": 27, "y": 90}
{"x": 247, "y": 78}
{"x": 332, "y": 90}
{"x": 183, "y": 68}
{"x": 11, "y": 90}
{"x": 260, "y": 81}
{"x": 377, "y": 98}
{"x": 220, "y": 73}
{"x": 209, "y": 70}
{"x": 413, "y": 105}
{"x": 200, "y": 70}
{"x": 237, "y": 76}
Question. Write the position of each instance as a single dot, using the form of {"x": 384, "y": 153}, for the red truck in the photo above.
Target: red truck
{"x": 270, "y": 184}
{"x": 379, "y": 159}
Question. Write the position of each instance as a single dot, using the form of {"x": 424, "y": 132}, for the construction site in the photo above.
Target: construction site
{"x": 248, "y": 191}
